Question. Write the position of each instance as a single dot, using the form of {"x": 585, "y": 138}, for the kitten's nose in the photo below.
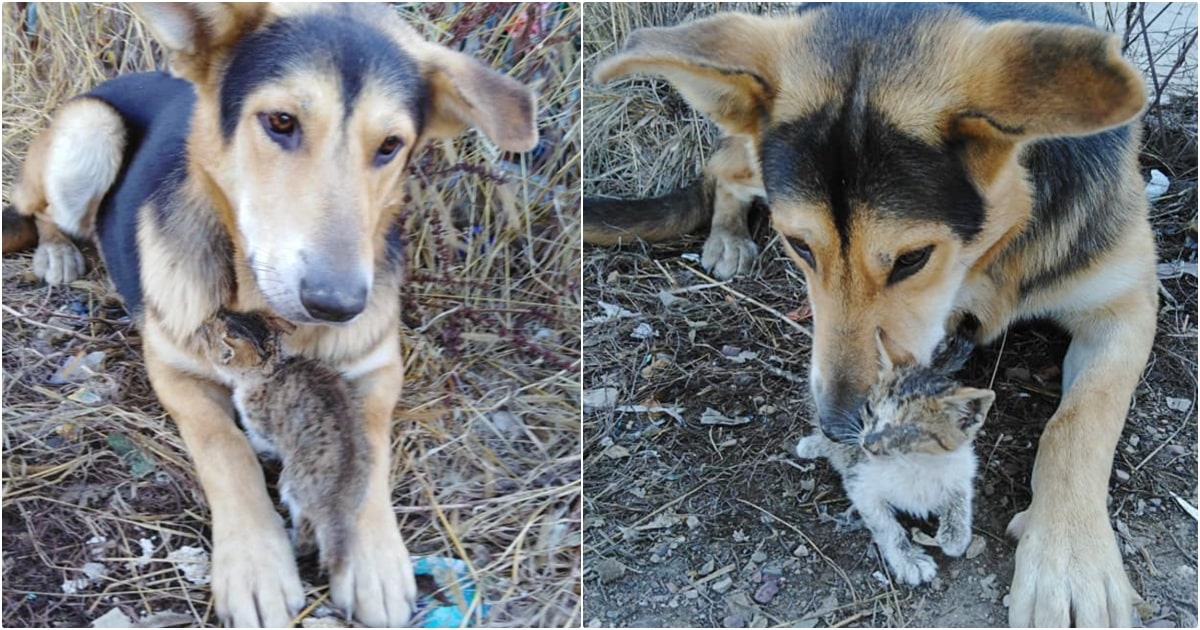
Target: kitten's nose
{"x": 873, "y": 443}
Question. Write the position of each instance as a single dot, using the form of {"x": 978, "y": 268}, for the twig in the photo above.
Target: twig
{"x": 812, "y": 544}
{"x": 784, "y": 318}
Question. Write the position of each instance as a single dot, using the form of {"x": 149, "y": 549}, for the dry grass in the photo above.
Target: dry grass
{"x": 487, "y": 436}
{"x": 666, "y": 496}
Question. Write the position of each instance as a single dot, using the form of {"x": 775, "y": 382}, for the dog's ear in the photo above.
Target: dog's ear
{"x": 1027, "y": 80}
{"x": 465, "y": 93}
{"x": 722, "y": 65}
{"x": 195, "y": 34}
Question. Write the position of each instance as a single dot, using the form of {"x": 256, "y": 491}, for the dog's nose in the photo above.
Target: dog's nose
{"x": 838, "y": 412}
{"x": 331, "y": 302}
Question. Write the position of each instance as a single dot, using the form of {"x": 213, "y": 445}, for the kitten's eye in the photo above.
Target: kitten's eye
{"x": 868, "y": 409}
{"x": 281, "y": 127}
{"x": 387, "y": 150}
{"x": 803, "y": 251}
{"x": 909, "y": 263}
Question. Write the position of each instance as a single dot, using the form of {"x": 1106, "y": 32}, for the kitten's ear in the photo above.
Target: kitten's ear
{"x": 279, "y": 324}
{"x": 969, "y": 406}
{"x": 227, "y": 350}
{"x": 889, "y": 354}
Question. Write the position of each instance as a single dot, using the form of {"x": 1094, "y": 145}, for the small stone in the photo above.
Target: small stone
{"x": 1121, "y": 474}
{"x": 723, "y": 585}
{"x": 708, "y": 567}
{"x": 768, "y": 590}
{"x": 1134, "y": 440}
{"x": 655, "y": 558}
{"x": 610, "y": 569}
{"x": 691, "y": 593}
{"x": 758, "y": 557}
{"x": 801, "y": 551}
{"x": 977, "y": 547}
{"x": 734, "y": 620}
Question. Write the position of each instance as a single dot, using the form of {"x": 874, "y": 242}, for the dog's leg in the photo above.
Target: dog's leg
{"x": 729, "y": 249}
{"x": 377, "y": 585}
{"x": 254, "y": 577}
{"x": 69, "y": 169}
{"x": 1068, "y": 566}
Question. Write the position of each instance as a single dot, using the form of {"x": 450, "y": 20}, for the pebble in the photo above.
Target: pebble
{"x": 610, "y": 570}
{"x": 978, "y": 546}
{"x": 708, "y": 567}
{"x": 758, "y": 557}
{"x": 734, "y": 620}
{"x": 768, "y": 590}
{"x": 723, "y": 585}
{"x": 800, "y": 551}
{"x": 1134, "y": 440}
{"x": 1121, "y": 474}
{"x": 691, "y": 593}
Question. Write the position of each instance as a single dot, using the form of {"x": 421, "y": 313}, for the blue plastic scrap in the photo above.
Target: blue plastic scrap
{"x": 454, "y": 584}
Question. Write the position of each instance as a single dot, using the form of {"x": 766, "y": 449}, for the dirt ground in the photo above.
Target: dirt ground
{"x": 685, "y": 522}
{"x": 102, "y": 513}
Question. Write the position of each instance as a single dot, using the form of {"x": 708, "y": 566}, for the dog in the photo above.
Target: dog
{"x": 934, "y": 168}
{"x": 264, "y": 172}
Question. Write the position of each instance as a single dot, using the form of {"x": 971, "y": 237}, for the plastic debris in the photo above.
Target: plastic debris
{"x": 456, "y": 597}
{"x": 1158, "y": 184}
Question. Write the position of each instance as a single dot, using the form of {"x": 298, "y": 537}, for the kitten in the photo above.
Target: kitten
{"x": 914, "y": 454}
{"x": 303, "y": 413}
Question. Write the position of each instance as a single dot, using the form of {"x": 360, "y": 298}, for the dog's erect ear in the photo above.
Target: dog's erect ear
{"x": 194, "y": 33}
{"x": 465, "y": 93}
{"x": 1029, "y": 80}
{"x": 722, "y": 65}
{"x": 968, "y": 407}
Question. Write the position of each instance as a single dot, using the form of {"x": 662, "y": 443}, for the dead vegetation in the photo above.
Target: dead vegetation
{"x": 690, "y": 523}
{"x": 98, "y": 490}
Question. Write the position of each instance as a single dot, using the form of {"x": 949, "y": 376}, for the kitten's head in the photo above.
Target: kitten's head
{"x": 921, "y": 409}
{"x": 246, "y": 341}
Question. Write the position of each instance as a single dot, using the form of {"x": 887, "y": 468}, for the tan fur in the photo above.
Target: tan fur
{"x": 324, "y": 199}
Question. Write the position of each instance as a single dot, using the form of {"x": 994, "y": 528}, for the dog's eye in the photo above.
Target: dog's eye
{"x": 282, "y": 127}
{"x": 909, "y": 263}
{"x": 802, "y": 250}
{"x": 387, "y": 150}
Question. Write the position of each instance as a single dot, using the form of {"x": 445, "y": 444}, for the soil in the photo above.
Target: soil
{"x": 700, "y": 516}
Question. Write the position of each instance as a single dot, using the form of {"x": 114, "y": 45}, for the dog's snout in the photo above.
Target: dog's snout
{"x": 838, "y": 412}
{"x": 332, "y": 301}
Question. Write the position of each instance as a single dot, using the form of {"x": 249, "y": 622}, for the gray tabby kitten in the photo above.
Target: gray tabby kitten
{"x": 914, "y": 454}
{"x": 303, "y": 413}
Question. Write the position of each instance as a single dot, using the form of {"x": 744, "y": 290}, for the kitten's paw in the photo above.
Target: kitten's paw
{"x": 953, "y": 539}
{"x": 811, "y": 447}
{"x": 910, "y": 565}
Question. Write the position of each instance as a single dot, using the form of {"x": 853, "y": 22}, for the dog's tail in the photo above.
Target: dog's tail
{"x": 20, "y": 231}
{"x": 610, "y": 221}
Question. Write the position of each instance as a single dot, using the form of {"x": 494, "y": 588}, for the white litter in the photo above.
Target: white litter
{"x": 193, "y": 562}
{"x": 601, "y": 398}
{"x": 1158, "y": 184}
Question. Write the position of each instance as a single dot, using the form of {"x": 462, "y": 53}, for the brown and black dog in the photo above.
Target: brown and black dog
{"x": 264, "y": 173}
{"x": 926, "y": 166}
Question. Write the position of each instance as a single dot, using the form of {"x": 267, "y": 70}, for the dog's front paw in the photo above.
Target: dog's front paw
{"x": 1069, "y": 571}
{"x": 376, "y": 585}
{"x": 254, "y": 580}
{"x": 909, "y": 564}
{"x": 727, "y": 255}
{"x": 57, "y": 262}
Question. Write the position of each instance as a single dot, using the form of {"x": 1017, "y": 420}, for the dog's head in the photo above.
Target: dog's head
{"x": 889, "y": 140}
{"x": 307, "y": 117}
